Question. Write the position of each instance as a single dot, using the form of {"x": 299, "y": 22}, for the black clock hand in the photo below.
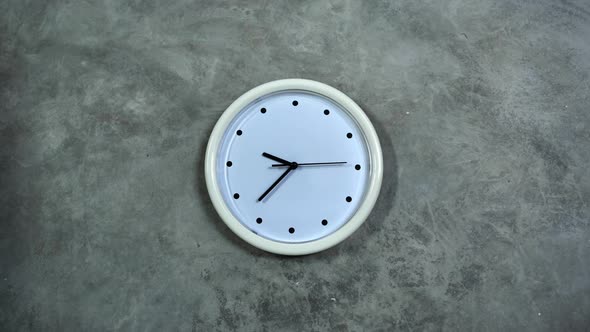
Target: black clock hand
{"x": 313, "y": 164}
{"x": 277, "y": 159}
{"x": 292, "y": 166}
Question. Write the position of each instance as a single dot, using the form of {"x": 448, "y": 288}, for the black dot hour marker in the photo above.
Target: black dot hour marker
{"x": 239, "y": 132}
{"x": 357, "y": 167}
{"x": 326, "y": 112}
{"x": 295, "y": 103}
{"x": 349, "y": 135}
{"x": 263, "y": 110}
{"x": 259, "y": 220}
{"x": 348, "y": 199}
{"x": 236, "y": 195}
{"x": 291, "y": 230}
{"x": 229, "y": 163}
{"x": 324, "y": 222}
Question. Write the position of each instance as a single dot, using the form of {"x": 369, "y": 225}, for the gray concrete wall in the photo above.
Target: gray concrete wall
{"x": 482, "y": 108}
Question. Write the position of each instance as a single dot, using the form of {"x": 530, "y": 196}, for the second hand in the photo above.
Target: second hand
{"x": 312, "y": 164}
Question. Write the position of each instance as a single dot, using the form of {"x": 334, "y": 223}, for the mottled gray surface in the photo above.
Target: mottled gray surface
{"x": 482, "y": 108}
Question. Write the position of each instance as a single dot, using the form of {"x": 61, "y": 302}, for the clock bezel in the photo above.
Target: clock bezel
{"x": 375, "y": 171}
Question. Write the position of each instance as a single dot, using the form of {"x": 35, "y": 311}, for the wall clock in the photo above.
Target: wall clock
{"x": 293, "y": 166}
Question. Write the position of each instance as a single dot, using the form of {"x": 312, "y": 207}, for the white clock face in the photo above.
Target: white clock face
{"x": 293, "y": 166}
{"x": 312, "y": 198}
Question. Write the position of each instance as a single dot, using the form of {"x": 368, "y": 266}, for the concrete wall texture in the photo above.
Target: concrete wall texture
{"x": 482, "y": 108}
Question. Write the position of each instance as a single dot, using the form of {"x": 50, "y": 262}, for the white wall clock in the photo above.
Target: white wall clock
{"x": 293, "y": 166}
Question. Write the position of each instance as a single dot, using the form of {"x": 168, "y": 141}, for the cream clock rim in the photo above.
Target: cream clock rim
{"x": 375, "y": 176}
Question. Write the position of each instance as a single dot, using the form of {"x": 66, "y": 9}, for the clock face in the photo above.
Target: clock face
{"x": 293, "y": 166}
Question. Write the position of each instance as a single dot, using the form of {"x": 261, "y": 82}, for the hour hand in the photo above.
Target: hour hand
{"x": 275, "y": 158}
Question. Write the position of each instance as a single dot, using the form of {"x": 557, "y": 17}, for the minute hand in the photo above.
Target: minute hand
{"x": 312, "y": 164}
{"x": 272, "y": 186}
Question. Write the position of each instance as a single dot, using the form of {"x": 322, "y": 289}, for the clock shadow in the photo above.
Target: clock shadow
{"x": 387, "y": 195}
{"x": 374, "y": 224}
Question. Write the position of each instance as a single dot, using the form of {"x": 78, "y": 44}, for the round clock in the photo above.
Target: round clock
{"x": 293, "y": 166}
